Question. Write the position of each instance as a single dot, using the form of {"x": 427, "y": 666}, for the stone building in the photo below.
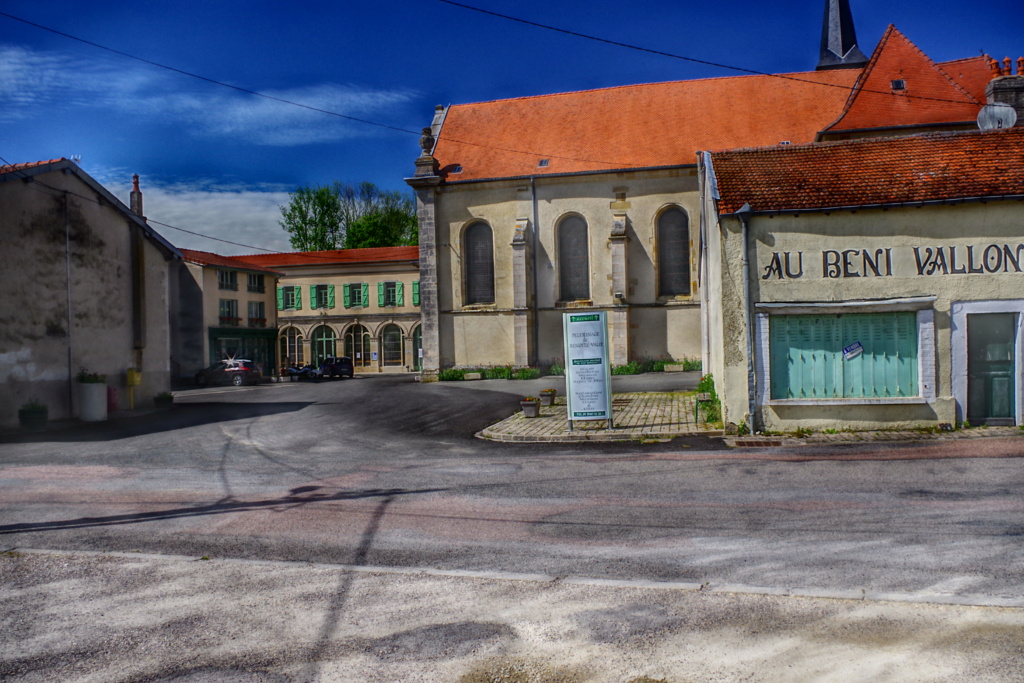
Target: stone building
{"x": 872, "y": 284}
{"x": 362, "y": 303}
{"x": 533, "y": 206}
{"x": 86, "y": 284}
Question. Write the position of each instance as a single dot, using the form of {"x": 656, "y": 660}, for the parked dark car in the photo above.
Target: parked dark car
{"x": 237, "y": 372}
{"x": 337, "y": 367}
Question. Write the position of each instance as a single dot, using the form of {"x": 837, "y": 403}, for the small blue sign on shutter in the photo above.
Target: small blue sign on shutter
{"x": 853, "y": 350}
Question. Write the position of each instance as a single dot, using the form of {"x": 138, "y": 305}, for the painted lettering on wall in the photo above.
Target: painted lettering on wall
{"x": 927, "y": 261}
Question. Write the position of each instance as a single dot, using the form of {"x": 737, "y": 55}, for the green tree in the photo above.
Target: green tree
{"x": 313, "y": 218}
{"x": 350, "y": 216}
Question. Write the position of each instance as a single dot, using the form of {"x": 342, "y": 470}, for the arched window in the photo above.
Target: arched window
{"x": 479, "y": 264}
{"x": 357, "y": 346}
{"x": 573, "y": 259}
{"x": 291, "y": 346}
{"x": 391, "y": 345}
{"x": 673, "y": 253}
{"x": 323, "y": 344}
{"x": 417, "y": 347}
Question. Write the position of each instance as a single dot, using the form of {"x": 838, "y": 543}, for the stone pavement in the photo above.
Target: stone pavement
{"x": 661, "y": 416}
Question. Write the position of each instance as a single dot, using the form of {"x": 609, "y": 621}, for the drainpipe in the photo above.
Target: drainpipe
{"x": 67, "y": 279}
{"x": 744, "y": 215}
{"x": 533, "y": 257}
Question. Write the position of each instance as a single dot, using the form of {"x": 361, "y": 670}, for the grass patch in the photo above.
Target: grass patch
{"x": 451, "y": 375}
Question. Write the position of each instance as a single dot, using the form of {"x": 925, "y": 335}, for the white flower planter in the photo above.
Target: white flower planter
{"x": 92, "y": 402}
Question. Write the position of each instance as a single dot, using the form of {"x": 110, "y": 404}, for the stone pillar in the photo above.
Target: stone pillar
{"x": 618, "y": 241}
{"x": 523, "y": 322}
{"x": 425, "y": 183}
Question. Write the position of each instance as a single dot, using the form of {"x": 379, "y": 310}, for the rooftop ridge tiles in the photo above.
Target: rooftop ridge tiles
{"x": 784, "y": 75}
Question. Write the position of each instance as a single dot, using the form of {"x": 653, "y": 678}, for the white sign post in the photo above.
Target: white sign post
{"x": 587, "y": 372}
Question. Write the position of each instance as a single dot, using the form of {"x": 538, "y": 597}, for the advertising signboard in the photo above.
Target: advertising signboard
{"x": 587, "y": 372}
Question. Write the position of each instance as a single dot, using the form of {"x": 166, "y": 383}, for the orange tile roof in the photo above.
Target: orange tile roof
{"x": 972, "y": 74}
{"x": 931, "y": 96}
{"x": 637, "y": 126}
{"x": 859, "y": 173}
{"x": 17, "y": 167}
{"x": 334, "y": 257}
{"x": 205, "y": 258}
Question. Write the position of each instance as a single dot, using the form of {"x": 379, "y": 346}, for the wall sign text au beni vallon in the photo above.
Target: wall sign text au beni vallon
{"x": 951, "y": 260}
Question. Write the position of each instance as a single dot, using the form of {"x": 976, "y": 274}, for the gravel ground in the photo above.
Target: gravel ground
{"x": 91, "y": 617}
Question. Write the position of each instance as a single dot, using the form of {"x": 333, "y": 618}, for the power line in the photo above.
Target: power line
{"x": 671, "y": 55}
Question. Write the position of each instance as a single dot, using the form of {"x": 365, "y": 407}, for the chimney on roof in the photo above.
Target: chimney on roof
{"x": 136, "y": 197}
{"x": 838, "y": 39}
{"x": 1005, "y": 87}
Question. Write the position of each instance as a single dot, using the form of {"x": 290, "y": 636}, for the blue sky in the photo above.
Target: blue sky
{"x": 219, "y": 162}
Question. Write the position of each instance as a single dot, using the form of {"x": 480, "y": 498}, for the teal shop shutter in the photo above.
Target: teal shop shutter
{"x": 807, "y": 361}
{"x": 399, "y": 296}
{"x": 346, "y": 293}
{"x": 380, "y": 294}
{"x": 280, "y": 298}
{"x": 416, "y": 293}
{"x": 330, "y": 296}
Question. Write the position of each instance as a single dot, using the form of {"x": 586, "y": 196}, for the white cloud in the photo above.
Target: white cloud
{"x": 31, "y": 80}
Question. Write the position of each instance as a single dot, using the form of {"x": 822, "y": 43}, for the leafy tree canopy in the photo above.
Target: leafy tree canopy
{"x": 347, "y": 216}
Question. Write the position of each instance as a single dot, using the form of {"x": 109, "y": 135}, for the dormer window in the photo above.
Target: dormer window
{"x": 543, "y": 163}
{"x": 898, "y": 84}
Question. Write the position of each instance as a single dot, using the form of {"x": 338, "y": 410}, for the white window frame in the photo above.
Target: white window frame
{"x": 923, "y": 306}
{"x": 958, "y": 348}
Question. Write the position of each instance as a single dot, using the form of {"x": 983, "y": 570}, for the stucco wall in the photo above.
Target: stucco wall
{"x": 657, "y": 326}
{"x": 920, "y": 248}
{"x": 41, "y": 346}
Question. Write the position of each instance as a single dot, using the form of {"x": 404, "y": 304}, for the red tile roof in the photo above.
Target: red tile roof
{"x": 334, "y": 257}
{"x": 931, "y": 95}
{"x": 972, "y": 74}
{"x": 637, "y": 126}
{"x": 205, "y": 258}
{"x": 17, "y": 167}
{"x": 858, "y": 173}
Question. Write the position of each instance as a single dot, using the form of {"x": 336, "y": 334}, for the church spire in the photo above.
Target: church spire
{"x": 838, "y": 39}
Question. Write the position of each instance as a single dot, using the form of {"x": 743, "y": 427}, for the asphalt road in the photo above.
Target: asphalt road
{"x": 385, "y": 472}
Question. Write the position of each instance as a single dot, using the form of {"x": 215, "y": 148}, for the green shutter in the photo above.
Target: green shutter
{"x": 298, "y": 298}
{"x": 330, "y": 296}
{"x": 365, "y": 298}
{"x": 416, "y": 293}
{"x": 380, "y": 294}
{"x": 807, "y": 360}
{"x": 280, "y": 298}
{"x": 347, "y": 295}
{"x": 399, "y": 296}
{"x": 313, "y": 303}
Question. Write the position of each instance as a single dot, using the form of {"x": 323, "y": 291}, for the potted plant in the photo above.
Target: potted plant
{"x": 530, "y": 406}
{"x": 33, "y": 415}
{"x": 92, "y": 394}
{"x": 163, "y": 400}
{"x": 547, "y": 397}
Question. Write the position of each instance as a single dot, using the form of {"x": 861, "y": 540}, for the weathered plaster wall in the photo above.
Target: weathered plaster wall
{"x": 36, "y": 331}
{"x": 656, "y": 326}
{"x": 929, "y": 251}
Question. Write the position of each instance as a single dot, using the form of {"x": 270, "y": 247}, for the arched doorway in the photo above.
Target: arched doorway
{"x": 291, "y": 347}
{"x": 391, "y": 345}
{"x": 323, "y": 344}
{"x": 417, "y": 348}
{"x": 357, "y": 346}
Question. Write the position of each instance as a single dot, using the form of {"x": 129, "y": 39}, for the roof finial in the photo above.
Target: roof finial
{"x": 838, "y": 39}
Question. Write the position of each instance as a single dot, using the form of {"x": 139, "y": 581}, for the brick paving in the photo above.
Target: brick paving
{"x": 653, "y": 416}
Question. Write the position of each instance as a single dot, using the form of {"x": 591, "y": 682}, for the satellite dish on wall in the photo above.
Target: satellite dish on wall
{"x": 996, "y": 116}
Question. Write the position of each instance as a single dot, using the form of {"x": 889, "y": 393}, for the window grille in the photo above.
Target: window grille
{"x": 573, "y": 259}
{"x": 673, "y": 253}
{"x": 479, "y": 263}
